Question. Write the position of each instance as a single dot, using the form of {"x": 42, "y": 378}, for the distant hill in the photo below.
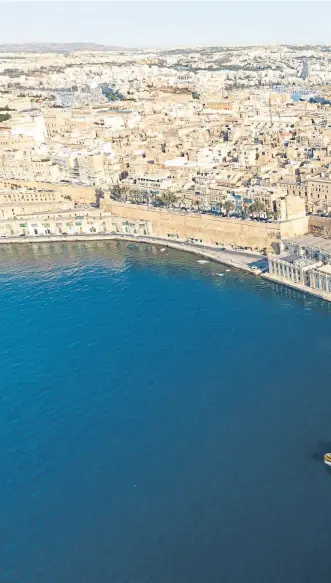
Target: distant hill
{"x": 58, "y": 48}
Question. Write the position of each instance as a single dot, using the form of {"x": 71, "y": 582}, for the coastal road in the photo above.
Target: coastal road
{"x": 249, "y": 261}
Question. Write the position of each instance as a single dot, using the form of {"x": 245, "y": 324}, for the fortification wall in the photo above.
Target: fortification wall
{"x": 79, "y": 194}
{"x": 208, "y": 229}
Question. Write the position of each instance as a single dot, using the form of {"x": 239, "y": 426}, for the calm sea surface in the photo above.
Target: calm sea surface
{"x": 159, "y": 423}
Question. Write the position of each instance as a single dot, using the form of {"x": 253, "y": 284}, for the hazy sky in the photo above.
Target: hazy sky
{"x": 166, "y": 23}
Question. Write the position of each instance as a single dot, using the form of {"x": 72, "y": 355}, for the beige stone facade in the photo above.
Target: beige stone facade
{"x": 306, "y": 265}
{"x": 320, "y": 278}
{"x": 319, "y": 195}
{"x": 290, "y": 207}
{"x": 210, "y": 230}
{"x": 292, "y": 268}
{"x": 296, "y": 188}
{"x": 83, "y": 222}
{"x": 77, "y": 194}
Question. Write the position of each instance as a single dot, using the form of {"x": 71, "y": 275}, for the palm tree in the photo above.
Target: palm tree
{"x": 169, "y": 199}
{"x": 117, "y": 192}
{"x": 134, "y": 195}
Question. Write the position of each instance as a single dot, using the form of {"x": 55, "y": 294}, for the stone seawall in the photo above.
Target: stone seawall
{"x": 210, "y": 230}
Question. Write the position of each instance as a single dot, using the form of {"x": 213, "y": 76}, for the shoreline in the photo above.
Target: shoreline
{"x": 233, "y": 258}
{"x": 301, "y": 288}
{"x": 242, "y": 260}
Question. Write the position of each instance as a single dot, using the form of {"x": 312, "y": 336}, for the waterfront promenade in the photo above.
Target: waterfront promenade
{"x": 254, "y": 263}
{"x": 251, "y": 262}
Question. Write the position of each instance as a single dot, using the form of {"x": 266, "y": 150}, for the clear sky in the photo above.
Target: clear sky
{"x": 152, "y": 24}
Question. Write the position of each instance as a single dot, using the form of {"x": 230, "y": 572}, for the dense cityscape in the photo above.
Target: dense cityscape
{"x": 229, "y": 148}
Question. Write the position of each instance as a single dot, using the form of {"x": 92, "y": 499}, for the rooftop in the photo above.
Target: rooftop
{"x": 180, "y": 162}
{"x": 296, "y": 261}
{"x": 325, "y": 269}
{"x": 321, "y": 243}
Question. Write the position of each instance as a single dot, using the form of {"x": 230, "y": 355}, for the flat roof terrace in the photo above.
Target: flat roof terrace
{"x": 323, "y": 243}
{"x": 325, "y": 269}
{"x": 297, "y": 261}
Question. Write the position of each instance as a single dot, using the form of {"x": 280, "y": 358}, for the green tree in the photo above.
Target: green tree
{"x": 4, "y": 117}
{"x": 99, "y": 193}
{"x": 170, "y": 199}
{"x": 228, "y": 206}
{"x": 257, "y": 207}
{"x": 159, "y": 201}
{"x": 260, "y": 207}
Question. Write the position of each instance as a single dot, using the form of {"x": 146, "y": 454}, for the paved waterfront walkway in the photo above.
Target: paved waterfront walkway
{"x": 252, "y": 262}
{"x": 255, "y": 263}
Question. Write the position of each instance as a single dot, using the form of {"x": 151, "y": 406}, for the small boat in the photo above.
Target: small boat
{"x": 163, "y": 249}
{"x": 327, "y": 459}
{"x": 202, "y": 261}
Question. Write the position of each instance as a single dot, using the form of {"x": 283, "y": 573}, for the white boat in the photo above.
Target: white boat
{"x": 163, "y": 249}
{"x": 202, "y": 261}
{"x": 327, "y": 459}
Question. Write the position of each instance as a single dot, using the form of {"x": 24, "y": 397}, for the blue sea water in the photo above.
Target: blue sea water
{"x": 159, "y": 423}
